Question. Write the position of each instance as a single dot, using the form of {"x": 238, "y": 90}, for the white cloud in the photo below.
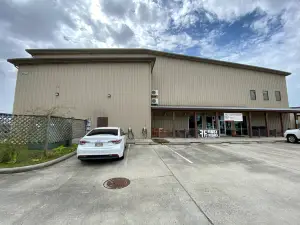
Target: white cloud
{"x": 155, "y": 24}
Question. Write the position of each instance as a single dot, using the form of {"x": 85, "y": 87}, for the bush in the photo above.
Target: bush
{"x": 12, "y": 153}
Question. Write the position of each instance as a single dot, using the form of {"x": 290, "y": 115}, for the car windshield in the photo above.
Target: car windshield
{"x": 103, "y": 132}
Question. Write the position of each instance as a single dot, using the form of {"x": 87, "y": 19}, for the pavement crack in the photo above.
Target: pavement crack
{"x": 209, "y": 220}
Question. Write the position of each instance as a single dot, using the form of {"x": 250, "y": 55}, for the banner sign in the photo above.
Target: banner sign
{"x": 233, "y": 116}
{"x": 208, "y": 133}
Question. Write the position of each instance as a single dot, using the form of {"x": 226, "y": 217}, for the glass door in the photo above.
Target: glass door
{"x": 222, "y": 127}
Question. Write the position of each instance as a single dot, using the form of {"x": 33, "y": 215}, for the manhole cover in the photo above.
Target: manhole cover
{"x": 116, "y": 183}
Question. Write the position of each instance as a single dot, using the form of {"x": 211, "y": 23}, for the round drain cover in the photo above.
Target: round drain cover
{"x": 116, "y": 183}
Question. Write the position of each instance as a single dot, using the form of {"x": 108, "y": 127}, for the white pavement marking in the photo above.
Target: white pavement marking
{"x": 180, "y": 155}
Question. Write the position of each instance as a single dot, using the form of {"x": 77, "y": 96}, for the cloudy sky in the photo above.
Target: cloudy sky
{"x": 258, "y": 32}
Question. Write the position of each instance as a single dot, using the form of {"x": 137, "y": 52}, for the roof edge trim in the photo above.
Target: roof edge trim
{"x": 34, "y": 61}
{"x": 108, "y": 51}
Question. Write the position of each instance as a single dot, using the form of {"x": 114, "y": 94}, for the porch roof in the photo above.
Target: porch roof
{"x": 223, "y": 108}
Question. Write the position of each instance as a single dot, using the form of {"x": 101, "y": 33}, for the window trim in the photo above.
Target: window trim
{"x": 253, "y": 91}
{"x": 265, "y": 91}
{"x": 278, "y": 99}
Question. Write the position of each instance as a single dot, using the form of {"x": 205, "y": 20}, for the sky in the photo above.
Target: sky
{"x": 262, "y": 33}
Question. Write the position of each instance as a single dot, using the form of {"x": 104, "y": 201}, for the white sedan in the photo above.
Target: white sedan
{"x": 102, "y": 143}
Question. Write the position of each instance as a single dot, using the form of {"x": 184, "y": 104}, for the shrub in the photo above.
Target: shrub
{"x": 12, "y": 153}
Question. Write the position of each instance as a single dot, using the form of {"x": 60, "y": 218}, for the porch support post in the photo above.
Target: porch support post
{"x": 281, "y": 124}
{"x": 196, "y": 127}
{"x": 250, "y": 124}
{"x": 267, "y": 124}
{"x": 173, "y": 124}
{"x": 152, "y": 123}
{"x": 217, "y": 122}
{"x": 295, "y": 118}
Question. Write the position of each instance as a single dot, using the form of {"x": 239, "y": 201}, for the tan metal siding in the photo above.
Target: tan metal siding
{"x": 83, "y": 90}
{"x": 182, "y": 82}
{"x": 258, "y": 119}
{"x": 166, "y": 122}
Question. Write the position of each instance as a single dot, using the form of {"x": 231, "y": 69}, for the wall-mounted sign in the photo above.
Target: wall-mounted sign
{"x": 208, "y": 133}
{"x": 233, "y": 116}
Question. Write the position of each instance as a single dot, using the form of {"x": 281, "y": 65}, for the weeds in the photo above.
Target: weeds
{"x": 12, "y": 155}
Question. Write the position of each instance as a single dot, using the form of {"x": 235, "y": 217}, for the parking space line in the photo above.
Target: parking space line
{"x": 180, "y": 155}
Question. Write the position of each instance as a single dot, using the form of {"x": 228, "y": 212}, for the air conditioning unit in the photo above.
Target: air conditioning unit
{"x": 154, "y": 93}
{"x": 154, "y": 101}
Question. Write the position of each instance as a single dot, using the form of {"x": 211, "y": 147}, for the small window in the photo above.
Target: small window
{"x": 252, "y": 94}
{"x": 266, "y": 95}
{"x": 277, "y": 95}
{"x": 113, "y": 132}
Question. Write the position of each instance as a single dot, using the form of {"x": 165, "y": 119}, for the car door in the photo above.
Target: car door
{"x": 298, "y": 133}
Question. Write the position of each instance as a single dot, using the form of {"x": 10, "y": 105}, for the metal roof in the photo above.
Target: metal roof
{"x": 73, "y": 51}
{"x": 220, "y": 108}
{"x": 34, "y": 61}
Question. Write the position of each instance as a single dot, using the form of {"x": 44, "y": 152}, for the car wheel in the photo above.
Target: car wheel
{"x": 291, "y": 138}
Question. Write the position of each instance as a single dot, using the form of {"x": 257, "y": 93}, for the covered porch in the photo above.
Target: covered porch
{"x": 203, "y": 122}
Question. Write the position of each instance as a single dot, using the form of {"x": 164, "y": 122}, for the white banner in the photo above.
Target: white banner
{"x": 208, "y": 133}
{"x": 233, "y": 116}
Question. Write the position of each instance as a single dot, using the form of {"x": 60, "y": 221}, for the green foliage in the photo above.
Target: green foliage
{"x": 12, "y": 155}
{"x": 60, "y": 149}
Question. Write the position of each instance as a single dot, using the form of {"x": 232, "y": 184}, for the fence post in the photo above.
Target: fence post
{"x": 70, "y": 141}
{"x": 47, "y": 134}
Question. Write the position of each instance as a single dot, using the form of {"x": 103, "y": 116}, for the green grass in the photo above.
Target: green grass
{"x": 18, "y": 155}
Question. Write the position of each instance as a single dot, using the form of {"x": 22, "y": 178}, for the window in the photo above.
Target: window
{"x": 252, "y": 94}
{"x": 277, "y": 95}
{"x": 266, "y": 95}
{"x": 103, "y": 132}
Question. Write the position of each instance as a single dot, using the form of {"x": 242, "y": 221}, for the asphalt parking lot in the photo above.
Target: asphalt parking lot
{"x": 177, "y": 184}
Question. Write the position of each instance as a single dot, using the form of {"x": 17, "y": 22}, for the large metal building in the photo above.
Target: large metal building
{"x": 172, "y": 95}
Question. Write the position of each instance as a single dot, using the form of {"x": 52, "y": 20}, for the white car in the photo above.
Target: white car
{"x": 292, "y": 136}
{"x": 102, "y": 143}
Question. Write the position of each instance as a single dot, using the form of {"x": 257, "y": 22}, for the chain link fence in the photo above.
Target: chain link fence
{"x": 34, "y": 130}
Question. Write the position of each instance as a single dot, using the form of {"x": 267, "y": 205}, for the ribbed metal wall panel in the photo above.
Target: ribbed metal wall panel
{"x": 183, "y": 82}
{"x": 258, "y": 119}
{"x": 83, "y": 90}
{"x": 166, "y": 122}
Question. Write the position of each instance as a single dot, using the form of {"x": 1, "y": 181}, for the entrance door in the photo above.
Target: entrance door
{"x": 222, "y": 127}
{"x": 102, "y": 121}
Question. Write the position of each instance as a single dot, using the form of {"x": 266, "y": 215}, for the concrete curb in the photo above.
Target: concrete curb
{"x": 37, "y": 166}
